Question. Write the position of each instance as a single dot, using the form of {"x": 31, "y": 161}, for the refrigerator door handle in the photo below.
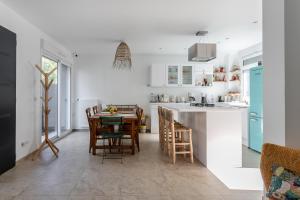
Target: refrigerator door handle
{"x": 252, "y": 119}
{"x": 253, "y": 114}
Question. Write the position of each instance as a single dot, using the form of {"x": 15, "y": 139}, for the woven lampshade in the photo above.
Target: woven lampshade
{"x": 122, "y": 57}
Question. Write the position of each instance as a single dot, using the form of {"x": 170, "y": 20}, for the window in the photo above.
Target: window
{"x": 47, "y": 66}
{"x": 246, "y": 86}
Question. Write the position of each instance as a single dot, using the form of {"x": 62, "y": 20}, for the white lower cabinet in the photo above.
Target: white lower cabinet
{"x": 154, "y": 114}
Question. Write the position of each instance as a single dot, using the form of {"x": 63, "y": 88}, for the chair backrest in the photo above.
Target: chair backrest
{"x": 169, "y": 119}
{"x": 88, "y": 112}
{"x": 96, "y": 109}
{"x": 278, "y": 155}
{"x": 160, "y": 118}
{"x": 126, "y": 108}
{"x": 111, "y": 120}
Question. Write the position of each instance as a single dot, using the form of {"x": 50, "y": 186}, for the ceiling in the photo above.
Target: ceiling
{"x": 148, "y": 26}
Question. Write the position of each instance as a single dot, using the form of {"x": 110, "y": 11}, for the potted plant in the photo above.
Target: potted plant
{"x": 143, "y": 126}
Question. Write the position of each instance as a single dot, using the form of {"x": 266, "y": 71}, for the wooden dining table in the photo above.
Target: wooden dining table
{"x": 130, "y": 118}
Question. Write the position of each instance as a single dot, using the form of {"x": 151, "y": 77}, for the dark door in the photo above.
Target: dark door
{"x": 7, "y": 99}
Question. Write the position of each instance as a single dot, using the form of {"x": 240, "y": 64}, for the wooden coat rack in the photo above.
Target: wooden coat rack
{"x": 46, "y": 85}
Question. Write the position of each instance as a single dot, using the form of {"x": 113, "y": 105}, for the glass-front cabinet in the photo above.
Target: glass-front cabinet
{"x": 187, "y": 75}
{"x": 180, "y": 75}
{"x": 173, "y": 75}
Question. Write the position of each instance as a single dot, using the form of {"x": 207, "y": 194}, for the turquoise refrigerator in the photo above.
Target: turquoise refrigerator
{"x": 256, "y": 109}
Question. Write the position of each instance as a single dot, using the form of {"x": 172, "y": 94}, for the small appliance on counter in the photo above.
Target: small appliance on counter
{"x": 191, "y": 97}
{"x": 159, "y": 98}
{"x": 172, "y": 99}
{"x": 203, "y": 104}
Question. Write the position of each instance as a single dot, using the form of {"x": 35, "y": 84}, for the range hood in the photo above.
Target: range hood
{"x": 202, "y": 52}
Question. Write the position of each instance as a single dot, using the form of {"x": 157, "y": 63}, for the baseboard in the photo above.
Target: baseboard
{"x": 80, "y": 129}
{"x": 245, "y": 141}
{"x": 30, "y": 155}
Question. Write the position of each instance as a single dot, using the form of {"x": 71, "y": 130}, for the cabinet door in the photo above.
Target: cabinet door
{"x": 173, "y": 75}
{"x": 187, "y": 75}
{"x": 158, "y": 75}
{"x": 256, "y": 133}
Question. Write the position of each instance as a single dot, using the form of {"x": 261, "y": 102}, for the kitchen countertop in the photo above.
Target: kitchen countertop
{"x": 167, "y": 103}
{"x": 217, "y": 108}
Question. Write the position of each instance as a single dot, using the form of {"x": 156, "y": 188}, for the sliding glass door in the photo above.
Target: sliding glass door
{"x": 47, "y": 66}
{"x": 60, "y": 106}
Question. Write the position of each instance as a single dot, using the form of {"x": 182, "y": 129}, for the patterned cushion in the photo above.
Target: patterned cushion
{"x": 285, "y": 185}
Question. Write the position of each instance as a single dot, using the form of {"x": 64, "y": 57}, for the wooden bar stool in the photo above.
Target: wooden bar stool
{"x": 179, "y": 138}
{"x": 161, "y": 127}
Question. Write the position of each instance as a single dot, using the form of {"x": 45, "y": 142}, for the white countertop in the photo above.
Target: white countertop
{"x": 169, "y": 103}
{"x": 217, "y": 108}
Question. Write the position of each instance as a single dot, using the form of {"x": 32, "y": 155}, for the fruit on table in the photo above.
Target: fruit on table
{"x": 112, "y": 109}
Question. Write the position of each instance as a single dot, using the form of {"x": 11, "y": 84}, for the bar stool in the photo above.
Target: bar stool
{"x": 179, "y": 138}
{"x": 161, "y": 127}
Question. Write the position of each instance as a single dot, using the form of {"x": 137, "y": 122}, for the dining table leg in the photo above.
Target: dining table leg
{"x": 132, "y": 138}
{"x": 94, "y": 133}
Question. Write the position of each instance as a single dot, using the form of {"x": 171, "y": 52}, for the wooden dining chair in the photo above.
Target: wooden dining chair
{"x": 125, "y": 108}
{"x": 178, "y": 138}
{"x": 96, "y": 109}
{"x": 112, "y": 136}
{"x": 88, "y": 113}
{"x": 281, "y": 156}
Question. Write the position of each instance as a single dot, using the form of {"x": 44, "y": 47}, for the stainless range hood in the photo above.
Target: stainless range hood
{"x": 202, "y": 52}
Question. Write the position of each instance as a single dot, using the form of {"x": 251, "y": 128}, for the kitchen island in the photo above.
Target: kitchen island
{"x": 217, "y": 133}
{"x": 217, "y": 142}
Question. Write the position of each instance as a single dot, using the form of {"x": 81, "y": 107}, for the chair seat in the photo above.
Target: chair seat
{"x": 107, "y": 135}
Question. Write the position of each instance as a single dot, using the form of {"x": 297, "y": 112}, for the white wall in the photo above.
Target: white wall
{"x": 95, "y": 79}
{"x": 274, "y": 71}
{"x": 28, "y": 117}
{"x": 292, "y": 73}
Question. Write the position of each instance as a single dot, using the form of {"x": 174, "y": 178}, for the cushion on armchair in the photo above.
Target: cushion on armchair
{"x": 285, "y": 185}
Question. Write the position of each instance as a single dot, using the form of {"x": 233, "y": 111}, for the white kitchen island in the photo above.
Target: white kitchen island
{"x": 217, "y": 143}
{"x": 217, "y": 133}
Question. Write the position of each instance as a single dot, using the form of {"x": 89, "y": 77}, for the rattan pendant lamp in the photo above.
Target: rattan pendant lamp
{"x": 122, "y": 57}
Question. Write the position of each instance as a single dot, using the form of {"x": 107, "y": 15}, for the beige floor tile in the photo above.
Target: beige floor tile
{"x": 77, "y": 175}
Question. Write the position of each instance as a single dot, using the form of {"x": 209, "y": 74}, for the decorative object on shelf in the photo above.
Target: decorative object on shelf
{"x": 235, "y": 68}
{"x": 46, "y": 85}
{"x": 235, "y": 73}
{"x": 220, "y": 74}
{"x": 203, "y": 79}
{"x": 122, "y": 57}
{"x": 232, "y": 96}
{"x": 235, "y": 77}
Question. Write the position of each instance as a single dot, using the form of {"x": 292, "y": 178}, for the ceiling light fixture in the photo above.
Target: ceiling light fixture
{"x": 122, "y": 57}
{"x": 202, "y": 52}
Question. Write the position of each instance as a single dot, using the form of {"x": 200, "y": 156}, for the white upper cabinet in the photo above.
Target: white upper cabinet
{"x": 158, "y": 75}
{"x": 180, "y": 75}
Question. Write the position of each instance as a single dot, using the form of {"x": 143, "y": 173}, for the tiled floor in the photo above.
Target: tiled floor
{"x": 251, "y": 158}
{"x": 146, "y": 175}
